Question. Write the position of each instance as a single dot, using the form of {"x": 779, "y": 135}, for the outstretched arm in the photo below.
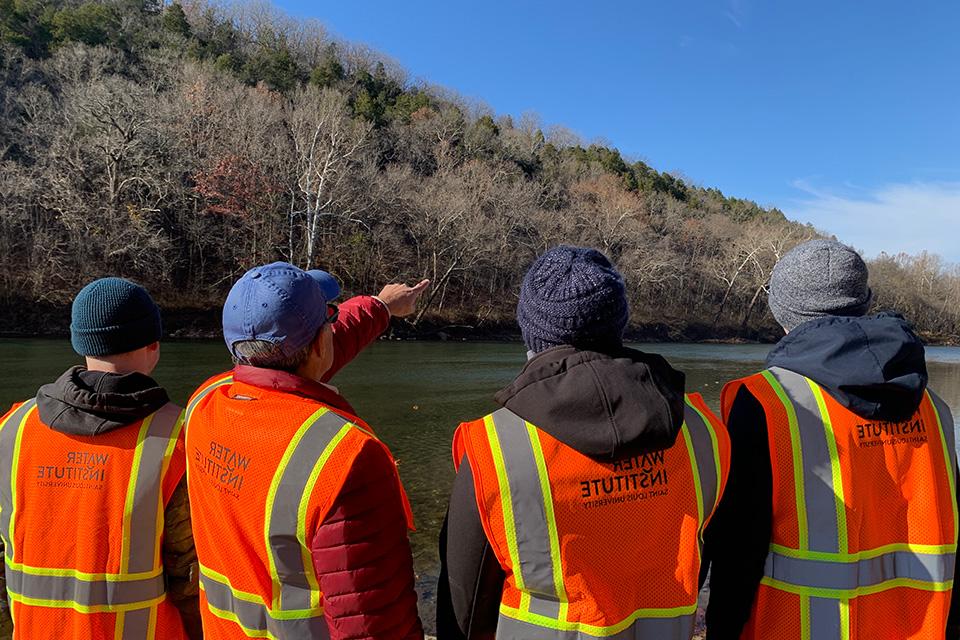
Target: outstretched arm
{"x": 363, "y": 318}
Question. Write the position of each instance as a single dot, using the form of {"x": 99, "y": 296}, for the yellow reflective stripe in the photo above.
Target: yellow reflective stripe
{"x": 715, "y": 446}
{"x": 695, "y": 468}
{"x": 593, "y": 630}
{"x": 202, "y": 392}
{"x": 797, "y": 458}
{"x": 131, "y": 490}
{"x": 839, "y": 594}
{"x": 947, "y": 455}
{"x": 82, "y": 575}
{"x": 865, "y": 554}
{"x": 167, "y": 457}
{"x": 14, "y": 466}
{"x": 506, "y": 504}
{"x": 271, "y": 496}
{"x": 550, "y": 518}
{"x": 100, "y": 608}
{"x": 845, "y": 619}
{"x": 804, "y": 616}
{"x": 302, "y": 514}
{"x": 839, "y": 500}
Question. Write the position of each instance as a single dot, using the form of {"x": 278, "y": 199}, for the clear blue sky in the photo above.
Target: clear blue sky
{"x": 844, "y": 114}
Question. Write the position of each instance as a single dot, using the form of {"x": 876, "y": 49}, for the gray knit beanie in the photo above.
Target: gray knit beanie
{"x": 817, "y": 279}
{"x": 112, "y": 316}
{"x": 572, "y": 296}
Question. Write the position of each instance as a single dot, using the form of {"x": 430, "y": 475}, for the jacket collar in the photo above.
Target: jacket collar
{"x": 286, "y": 382}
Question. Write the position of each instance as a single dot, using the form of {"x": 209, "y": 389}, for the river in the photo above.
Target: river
{"x": 415, "y": 393}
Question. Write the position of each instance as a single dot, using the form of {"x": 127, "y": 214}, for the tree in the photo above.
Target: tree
{"x": 327, "y": 145}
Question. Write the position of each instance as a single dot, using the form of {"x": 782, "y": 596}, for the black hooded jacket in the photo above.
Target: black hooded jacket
{"x": 872, "y": 365}
{"x": 606, "y": 405}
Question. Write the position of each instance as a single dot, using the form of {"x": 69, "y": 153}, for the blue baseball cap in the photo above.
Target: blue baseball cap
{"x": 278, "y": 303}
{"x": 329, "y": 284}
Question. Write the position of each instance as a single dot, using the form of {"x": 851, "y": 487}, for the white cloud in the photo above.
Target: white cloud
{"x": 913, "y": 217}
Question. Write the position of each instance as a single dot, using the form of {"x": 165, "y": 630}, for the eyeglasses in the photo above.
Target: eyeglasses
{"x": 333, "y": 312}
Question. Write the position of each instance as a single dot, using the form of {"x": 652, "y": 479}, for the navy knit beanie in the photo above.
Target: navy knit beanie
{"x": 572, "y": 296}
{"x": 112, "y": 316}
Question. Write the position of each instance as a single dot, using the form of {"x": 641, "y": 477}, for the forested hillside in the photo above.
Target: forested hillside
{"x": 179, "y": 145}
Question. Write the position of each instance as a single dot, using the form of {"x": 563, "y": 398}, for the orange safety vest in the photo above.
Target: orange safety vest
{"x": 264, "y": 469}
{"x": 81, "y": 519}
{"x": 864, "y": 534}
{"x": 592, "y": 548}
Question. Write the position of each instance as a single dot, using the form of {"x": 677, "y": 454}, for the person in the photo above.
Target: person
{"x": 93, "y": 501}
{"x": 577, "y": 507}
{"x": 299, "y": 514}
{"x": 840, "y": 516}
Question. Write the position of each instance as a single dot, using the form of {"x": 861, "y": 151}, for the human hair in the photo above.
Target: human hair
{"x": 269, "y": 355}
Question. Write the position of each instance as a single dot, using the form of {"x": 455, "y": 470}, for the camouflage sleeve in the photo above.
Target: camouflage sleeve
{"x": 180, "y": 561}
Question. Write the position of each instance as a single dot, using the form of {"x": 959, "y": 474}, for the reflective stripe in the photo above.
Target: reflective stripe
{"x": 704, "y": 459}
{"x": 143, "y": 511}
{"x": 145, "y": 501}
{"x": 825, "y": 619}
{"x": 641, "y": 628}
{"x": 535, "y": 569}
{"x": 202, "y": 393}
{"x": 819, "y": 493}
{"x": 10, "y": 433}
{"x": 256, "y": 620}
{"x": 102, "y": 594}
{"x": 867, "y": 572}
{"x": 138, "y": 624}
{"x": 945, "y": 420}
{"x": 292, "y": 483}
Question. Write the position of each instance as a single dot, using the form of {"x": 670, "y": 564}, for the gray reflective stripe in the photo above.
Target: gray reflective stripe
{"x": 703, "y": 451}
{"x": 8, "y": 464}
{"x": 530, "y": 519}
{"x": 144, "y": 535}
{"x": 826, "y": 574}
{"x": 825, "y": 619}
{"x": 946, "y": 423}
{"x": 255, "y": 617}
{"x": 818, "y": 490}
{"x": 678, "y": 628}
{"x": 287, "y": 550}
{"x": 136, "y": 624}
{"x": 203, "y": 394}
{"x": 144, "y": 528}
{"x": 87, "y": 593}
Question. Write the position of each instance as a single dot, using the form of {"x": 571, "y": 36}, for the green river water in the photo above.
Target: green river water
{"x": 415, "y": 393}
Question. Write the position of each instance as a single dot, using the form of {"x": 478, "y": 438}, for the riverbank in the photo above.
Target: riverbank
{"x": 44, "y": 320}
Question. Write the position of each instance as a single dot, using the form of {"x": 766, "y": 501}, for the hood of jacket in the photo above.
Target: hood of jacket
{"x": 88, "y": 403}
{"x": 873, "y": 365}
{"x": 605, "y": 405}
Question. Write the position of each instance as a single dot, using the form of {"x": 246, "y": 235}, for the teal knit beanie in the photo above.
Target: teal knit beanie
{"x": 112, "y": 316}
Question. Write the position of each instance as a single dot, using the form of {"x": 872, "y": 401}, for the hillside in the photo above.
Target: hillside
{"x": 180, "y": 145}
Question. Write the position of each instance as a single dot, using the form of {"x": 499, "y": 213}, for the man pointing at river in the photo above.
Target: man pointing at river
{"x": 299, "y": 516}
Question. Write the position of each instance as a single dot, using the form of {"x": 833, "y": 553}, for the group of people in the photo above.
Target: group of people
{"x": 593, "y": 503}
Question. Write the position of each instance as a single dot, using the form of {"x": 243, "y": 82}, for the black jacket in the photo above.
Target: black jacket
{"x": 872, "y": 365}
{"x": 605, "y": 405}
